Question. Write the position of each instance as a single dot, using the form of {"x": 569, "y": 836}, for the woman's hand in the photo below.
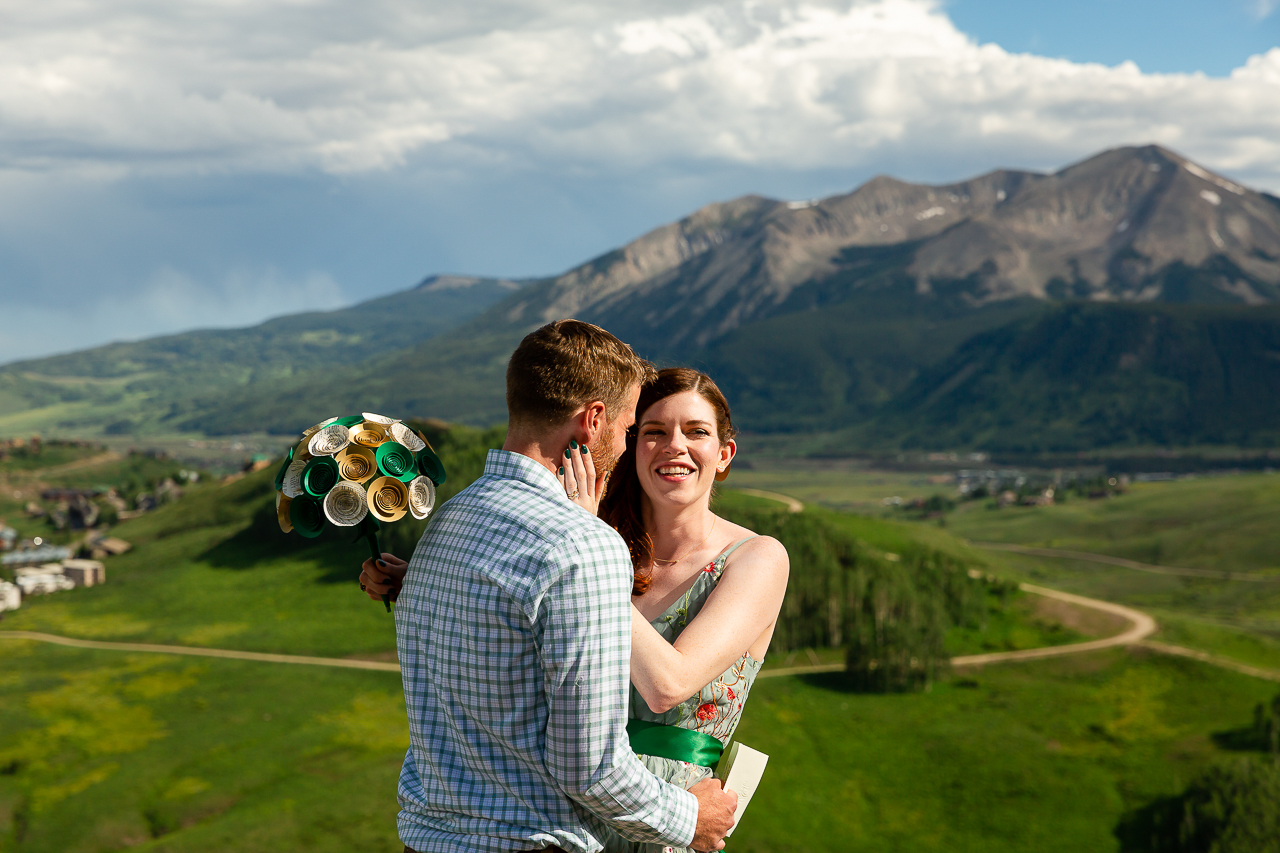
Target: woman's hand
{"x": 578, "y": 476}
{"x": 384, "y": 577}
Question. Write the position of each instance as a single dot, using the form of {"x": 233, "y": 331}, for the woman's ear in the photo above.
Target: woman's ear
{"x": 727, "y": 451}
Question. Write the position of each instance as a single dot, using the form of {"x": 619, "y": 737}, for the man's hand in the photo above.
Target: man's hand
{"x": 715, "y": 814}
{"x": 384, "y": 577}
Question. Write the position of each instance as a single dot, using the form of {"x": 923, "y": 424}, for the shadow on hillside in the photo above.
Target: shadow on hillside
{"x": 1242, "y": 739}
{"x": 333, "y": 552}
{"x": 836, "y": 682}
{"x": 839, "y": 682}
{"x": 1151, "y": 828}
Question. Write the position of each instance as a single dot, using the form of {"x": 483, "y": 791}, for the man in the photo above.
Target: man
{"x": 513, "y": 627}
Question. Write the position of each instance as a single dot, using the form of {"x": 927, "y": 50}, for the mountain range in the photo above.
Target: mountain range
{"x": 1127, "y": 299}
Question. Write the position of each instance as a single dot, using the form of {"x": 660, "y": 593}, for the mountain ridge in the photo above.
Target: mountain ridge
{"x": 839, "y": 306}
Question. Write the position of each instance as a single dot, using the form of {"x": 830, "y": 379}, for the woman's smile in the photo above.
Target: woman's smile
{"x": 676, "y": 473}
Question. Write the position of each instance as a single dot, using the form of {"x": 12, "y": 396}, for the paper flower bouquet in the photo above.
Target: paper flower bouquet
{"x": 357, "y": 471}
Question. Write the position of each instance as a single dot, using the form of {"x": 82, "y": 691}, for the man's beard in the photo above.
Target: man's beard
{"x": 603, "y": 454}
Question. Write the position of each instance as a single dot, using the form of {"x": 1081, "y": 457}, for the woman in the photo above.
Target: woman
{"x": 707, "y": 592}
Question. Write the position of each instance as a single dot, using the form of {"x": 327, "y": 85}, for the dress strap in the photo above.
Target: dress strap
{"x": 723, "y": 557}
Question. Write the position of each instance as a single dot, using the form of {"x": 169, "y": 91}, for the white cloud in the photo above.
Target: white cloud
{"x": 1262, "y": 9}
{"x": 295, "y": 86}
{"x": 171, "y": 300}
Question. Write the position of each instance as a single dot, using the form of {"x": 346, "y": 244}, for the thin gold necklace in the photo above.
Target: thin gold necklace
{"x": 694, "y": 549}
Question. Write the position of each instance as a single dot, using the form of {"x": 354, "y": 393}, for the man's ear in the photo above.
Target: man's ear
{"x": 589, "y": 421}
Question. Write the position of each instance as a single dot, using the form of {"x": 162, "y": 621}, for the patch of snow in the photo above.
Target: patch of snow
{"x": 1001, "y": 195}
{"x": 801, "y": 205}
{"x": 1212, "y": 197}
{"x": 1217, "y": 241}
{"x": 930, "y": 213}
{"x": 1154, "y": 167}
{"x": 1222, "y": 182}
{"x": 1123, "y": 226}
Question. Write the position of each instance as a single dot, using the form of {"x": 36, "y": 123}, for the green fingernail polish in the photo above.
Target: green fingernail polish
{"x": 568, "y": 455}
{"x": 562, "y": 472}
{"x": 573, "y": 443}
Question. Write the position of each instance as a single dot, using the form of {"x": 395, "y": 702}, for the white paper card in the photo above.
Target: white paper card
{"x": 741, "y": 769}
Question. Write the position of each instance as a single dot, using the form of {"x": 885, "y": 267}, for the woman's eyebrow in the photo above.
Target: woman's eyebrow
{"x": 686, "y": 423}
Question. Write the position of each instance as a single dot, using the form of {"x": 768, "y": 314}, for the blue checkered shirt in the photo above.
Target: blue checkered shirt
{"x": 514, "y": 634}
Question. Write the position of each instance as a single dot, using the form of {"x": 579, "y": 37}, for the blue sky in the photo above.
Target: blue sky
{"x": 1168, "y": 36}
{"x": 173, "y": 166}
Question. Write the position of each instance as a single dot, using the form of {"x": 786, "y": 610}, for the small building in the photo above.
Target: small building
{"x": 44, "y": 583}
{"x": 113, "y": 546}
{"x": 8, "y": 536}
{"x": 10, "y": 596}
{"x": 84, "y": 572}
{"x": 36, "y": 556}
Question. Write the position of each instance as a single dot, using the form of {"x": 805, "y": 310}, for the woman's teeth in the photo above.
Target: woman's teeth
{"x": 674, "y": 471}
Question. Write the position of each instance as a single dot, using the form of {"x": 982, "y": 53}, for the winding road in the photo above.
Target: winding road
{"x": 1141, "y": 626}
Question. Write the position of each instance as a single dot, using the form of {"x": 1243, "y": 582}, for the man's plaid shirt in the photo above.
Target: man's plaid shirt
{"x": 514, "y": 634}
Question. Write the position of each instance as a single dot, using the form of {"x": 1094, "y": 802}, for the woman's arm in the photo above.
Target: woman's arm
{"x": 744, "y": 604}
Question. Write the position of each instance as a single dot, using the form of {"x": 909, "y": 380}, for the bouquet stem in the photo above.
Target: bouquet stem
{"x": 370, "y": 529}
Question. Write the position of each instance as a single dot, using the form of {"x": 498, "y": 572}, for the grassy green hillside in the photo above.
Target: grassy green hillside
{"x": 457, "y": 377}
{"x": 842, "y": 349}
{"x": 1048, "y": 757}
{"x": 1224, "y": 523}
{"x": 876, "y": 366}
{"x": 153, "y": 385}
{"x": 1084, "y": 376}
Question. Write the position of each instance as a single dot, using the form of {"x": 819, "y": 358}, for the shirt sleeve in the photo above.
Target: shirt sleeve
{"x": 585, "y": 621}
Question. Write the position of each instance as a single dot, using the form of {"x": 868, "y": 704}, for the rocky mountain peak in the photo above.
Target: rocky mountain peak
{"x": 1135, "y": 224}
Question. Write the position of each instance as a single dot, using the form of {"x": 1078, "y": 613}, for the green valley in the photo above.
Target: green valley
{"x": 109, "y": 750}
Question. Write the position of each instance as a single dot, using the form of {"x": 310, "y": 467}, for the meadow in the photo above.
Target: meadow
{"x": 1221, "y": 523}
{"x": 104, "y": 751}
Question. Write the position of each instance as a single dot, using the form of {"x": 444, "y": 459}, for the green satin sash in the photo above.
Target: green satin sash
{"x": 674, "y": 742}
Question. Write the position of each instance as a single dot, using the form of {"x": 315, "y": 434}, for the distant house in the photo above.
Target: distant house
{"x": 84, "y": 572}
{"x": 7, "y": 537}
{"x": 34, "y": 556}
{"x": 44, "y": 583}
{"x": 110, "y": 545}
{"x": 10, "y": 596}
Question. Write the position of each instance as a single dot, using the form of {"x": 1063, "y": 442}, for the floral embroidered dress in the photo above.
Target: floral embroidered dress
{"x": 714, "y": 710}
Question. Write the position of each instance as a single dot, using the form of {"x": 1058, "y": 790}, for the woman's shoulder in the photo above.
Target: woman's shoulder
{"x": 749, "y": 548}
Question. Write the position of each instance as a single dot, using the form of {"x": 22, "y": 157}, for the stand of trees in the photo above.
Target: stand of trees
{"x": 891, "y": 610}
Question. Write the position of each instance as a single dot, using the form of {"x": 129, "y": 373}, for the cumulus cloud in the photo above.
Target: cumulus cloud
{"x": 341, "y": 88}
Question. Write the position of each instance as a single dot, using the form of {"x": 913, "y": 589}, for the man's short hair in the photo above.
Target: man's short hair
{"x": 566, "y": 364}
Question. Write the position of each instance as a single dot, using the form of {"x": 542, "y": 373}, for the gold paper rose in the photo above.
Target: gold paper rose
{"x": 388, "y": 499}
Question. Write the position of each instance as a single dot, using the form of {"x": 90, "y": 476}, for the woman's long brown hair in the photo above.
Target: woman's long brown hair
{"x": 622, "y": 506}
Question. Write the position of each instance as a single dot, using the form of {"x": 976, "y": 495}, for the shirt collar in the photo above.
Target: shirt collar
{"x": 516, "y": 466}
